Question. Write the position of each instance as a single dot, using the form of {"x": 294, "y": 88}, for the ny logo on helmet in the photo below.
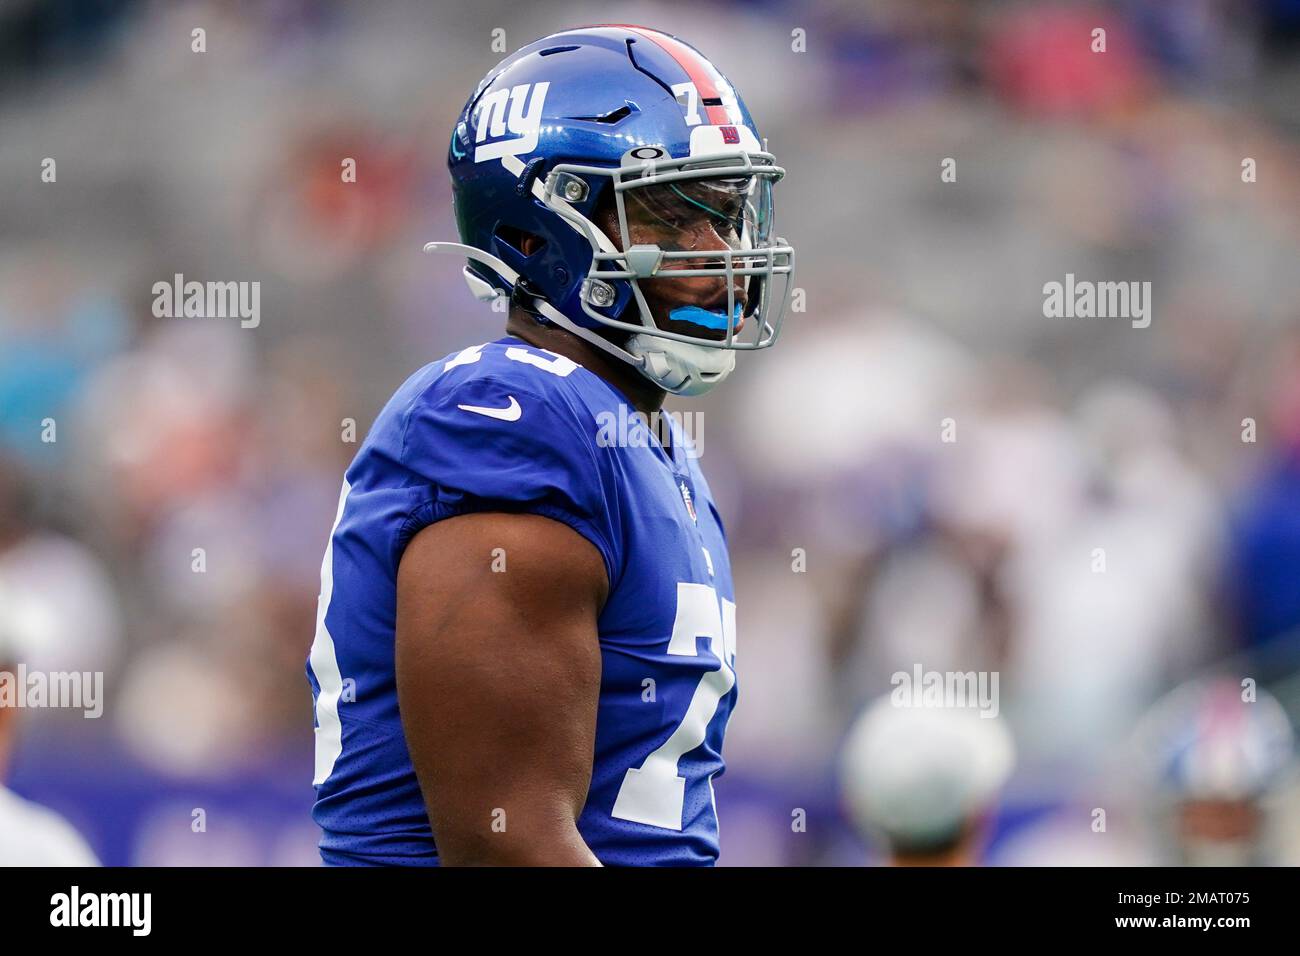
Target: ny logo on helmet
{"x": 511, "y": 109}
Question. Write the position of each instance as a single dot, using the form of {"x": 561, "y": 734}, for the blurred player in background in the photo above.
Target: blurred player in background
{"x": 921, "y": 781}
{"x": 525, "y": 553}
{"x": 30, "y": 835}
{"x": 1218, "y": 765}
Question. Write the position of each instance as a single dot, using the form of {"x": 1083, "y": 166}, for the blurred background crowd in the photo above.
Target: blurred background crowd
{"x": 923, "y": 304}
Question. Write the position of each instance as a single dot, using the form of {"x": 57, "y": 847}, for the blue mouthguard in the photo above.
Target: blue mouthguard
{"x": 703, "y": 317}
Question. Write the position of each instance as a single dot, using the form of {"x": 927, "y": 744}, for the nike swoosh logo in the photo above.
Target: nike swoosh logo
{"x": 510, "y": 413}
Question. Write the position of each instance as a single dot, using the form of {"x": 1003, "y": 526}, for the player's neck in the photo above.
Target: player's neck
{"x": 644, "y": 395}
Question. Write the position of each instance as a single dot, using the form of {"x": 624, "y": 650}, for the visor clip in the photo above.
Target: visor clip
{"x": 599, "y": 293}
{"x": 570, "y": 188}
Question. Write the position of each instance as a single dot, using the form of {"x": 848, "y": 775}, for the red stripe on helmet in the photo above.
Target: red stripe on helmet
{"x": 700, "y": 70}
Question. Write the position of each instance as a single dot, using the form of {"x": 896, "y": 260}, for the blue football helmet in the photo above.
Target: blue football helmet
{"x": 603, "y": 120}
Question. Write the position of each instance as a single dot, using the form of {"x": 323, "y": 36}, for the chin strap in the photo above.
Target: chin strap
{"x": 677, "y": 367}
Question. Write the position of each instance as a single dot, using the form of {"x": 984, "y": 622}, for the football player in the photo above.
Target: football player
{"x": 526, "y": 633}
{"x": 30, "y": 834}
{"x": 923, "y": 782}
{"x": 1218, "y": 764}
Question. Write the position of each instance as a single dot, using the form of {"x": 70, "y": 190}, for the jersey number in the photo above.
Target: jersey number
{"x": 654, "y": 793}
{"x": 325, "y": 665}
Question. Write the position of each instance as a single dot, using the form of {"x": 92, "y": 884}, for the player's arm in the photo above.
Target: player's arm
{"x": 498, "y": 677}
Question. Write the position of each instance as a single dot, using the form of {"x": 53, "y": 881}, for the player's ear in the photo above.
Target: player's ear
{"x": 525, "y": 242}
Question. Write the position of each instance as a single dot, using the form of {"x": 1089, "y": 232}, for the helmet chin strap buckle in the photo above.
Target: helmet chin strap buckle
{"x": 657, "y": 368}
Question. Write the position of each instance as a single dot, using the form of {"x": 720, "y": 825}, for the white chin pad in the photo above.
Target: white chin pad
{"x": 679, "y": 367}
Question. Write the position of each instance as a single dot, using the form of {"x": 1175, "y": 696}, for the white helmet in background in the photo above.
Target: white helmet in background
{"x": 920, "y": 776}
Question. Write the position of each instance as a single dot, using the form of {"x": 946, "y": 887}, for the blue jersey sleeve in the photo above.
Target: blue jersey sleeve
{"x": 491, "y": 444}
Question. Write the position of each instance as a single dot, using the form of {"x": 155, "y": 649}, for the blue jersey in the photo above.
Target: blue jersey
{"x": 509, "y": 427}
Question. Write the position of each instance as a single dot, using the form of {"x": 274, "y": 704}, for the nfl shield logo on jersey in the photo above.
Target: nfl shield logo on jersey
{"x": 690, "y": 502}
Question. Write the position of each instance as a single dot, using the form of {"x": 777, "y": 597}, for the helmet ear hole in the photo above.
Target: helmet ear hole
{"x": 525, "y": 243}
